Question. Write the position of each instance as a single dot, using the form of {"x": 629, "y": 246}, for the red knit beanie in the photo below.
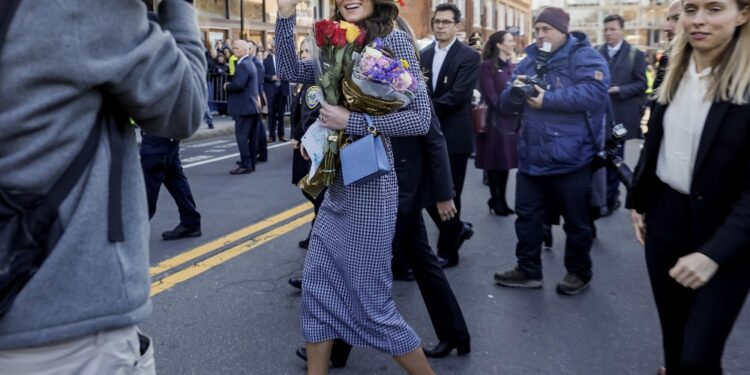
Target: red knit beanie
{"x": 555, "y": 17}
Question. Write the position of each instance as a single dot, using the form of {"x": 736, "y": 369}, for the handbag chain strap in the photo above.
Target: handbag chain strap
{"x": 371, "y": 125}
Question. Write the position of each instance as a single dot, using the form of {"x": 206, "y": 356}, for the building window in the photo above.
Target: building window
{"x": 211, "y": 8}
{"x": 477, "y": 13}
{"x": 501, "y": 25}
{"x": 488, "y": 16}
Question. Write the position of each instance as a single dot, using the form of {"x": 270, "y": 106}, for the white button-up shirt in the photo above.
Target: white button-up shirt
{"x": 683, "y": 127}
{"x": 437, "y": 62}
{"x": 612, "y": 51}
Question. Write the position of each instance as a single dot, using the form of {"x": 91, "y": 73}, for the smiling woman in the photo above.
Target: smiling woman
{"x": 347, "y": 279}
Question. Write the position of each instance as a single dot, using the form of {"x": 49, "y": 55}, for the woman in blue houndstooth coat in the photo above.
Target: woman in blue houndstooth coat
{"x": 347, "y": 279}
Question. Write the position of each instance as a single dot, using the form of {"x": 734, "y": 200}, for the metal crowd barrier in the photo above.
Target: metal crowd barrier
{"x": 217, "y": 96}
{"x": 216, "y": 93}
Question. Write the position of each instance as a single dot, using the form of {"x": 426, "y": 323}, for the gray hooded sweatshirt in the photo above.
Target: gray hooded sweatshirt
{"x": 57, "y": 59}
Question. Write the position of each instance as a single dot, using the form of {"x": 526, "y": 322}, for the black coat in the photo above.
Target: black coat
{"x": 305, "y": 110}
{"x": 261, "y": 71}
{"x": 720, "y": 189}
{"x": 451, "y": 98}
{"x": 630, "y": 76}
{"x": 422, "y": 169}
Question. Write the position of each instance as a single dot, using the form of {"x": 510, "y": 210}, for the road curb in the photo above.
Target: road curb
{"x": 211, "y": 133}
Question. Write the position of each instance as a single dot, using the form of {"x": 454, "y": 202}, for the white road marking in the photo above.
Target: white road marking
{"x": 196, "y": 158}
{"x": 206, "y": 144}
{"x": 201, "y": 159}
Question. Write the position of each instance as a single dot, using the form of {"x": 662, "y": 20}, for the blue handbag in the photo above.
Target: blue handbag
{"x": 364, "y": 159}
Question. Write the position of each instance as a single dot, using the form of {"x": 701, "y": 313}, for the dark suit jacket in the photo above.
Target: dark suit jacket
{"x": 631, "y": 78}
{"x": 422, "y": 169}
{"x": 261, "y": 73}
{"x": 269, "y": 86}
{"x": 242, "y": 91}
{"x": 451, "y": 98}
{"x": 720, "y": 189}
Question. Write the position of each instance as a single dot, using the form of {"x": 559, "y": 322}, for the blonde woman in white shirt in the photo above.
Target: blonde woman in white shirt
{"x": 691, "y": 197}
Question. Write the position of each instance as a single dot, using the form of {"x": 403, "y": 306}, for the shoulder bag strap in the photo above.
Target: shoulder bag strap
{"x": 67, "y": 181}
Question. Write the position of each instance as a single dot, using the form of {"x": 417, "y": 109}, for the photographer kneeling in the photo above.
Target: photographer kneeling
{"x": 560, "y": 92}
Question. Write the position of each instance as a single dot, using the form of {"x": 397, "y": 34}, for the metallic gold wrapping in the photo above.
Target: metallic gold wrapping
{"x": 356, "y": 101}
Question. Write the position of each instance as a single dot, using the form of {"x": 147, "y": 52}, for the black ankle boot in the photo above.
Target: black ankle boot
{"x": 444, "y": 348}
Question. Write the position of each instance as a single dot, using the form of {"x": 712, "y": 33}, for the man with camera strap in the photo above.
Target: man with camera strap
{"x": 560, "y": 91}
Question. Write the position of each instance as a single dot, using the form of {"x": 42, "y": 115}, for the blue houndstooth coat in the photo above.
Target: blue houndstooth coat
{"x": 346, "y": 291}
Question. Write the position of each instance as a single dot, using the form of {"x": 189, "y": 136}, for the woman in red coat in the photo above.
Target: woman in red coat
{"x": 496, "y": 149}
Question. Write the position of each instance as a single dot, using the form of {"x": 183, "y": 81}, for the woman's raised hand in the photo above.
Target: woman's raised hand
{"x": 286, "y": 7}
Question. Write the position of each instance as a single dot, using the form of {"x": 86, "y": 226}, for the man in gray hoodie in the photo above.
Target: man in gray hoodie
{"x": 78, "y": 313}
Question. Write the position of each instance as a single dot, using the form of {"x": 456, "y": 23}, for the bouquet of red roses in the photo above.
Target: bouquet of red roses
{"x": 336, "y": 42}
{"x": 335, "y": 45}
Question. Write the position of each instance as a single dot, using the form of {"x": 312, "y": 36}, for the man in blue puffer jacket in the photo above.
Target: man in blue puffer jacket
{"x": 560, "y": 132}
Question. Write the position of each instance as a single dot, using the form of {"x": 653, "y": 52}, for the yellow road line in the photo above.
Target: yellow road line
{"x": 200, "y": 267}
{"x": 223, "y": 241}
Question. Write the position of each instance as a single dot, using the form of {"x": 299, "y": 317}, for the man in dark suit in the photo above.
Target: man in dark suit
{"x": 262, "y": 142}
{"x": 276, "y": 93}
{"x": 243, "y": 103}
{"x": 627, "y": 91}
{"x": 453, "y": 71}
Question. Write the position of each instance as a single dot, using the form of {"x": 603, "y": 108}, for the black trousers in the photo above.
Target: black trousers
{"x": 166, "y": 168}
{"x": 442, "y": 306}
{"x": 261, "y": 139}
{"x": 498, "y": 182}
{"x": 570, "y": 195}
{"x": 246, "y": 133}
{"x": 276, "y": 107}
{"x": 317, "y": 202}
{"x": 613, "y": 182}
{"x": 695, "y": 323}
{"x": 447, "y": 245}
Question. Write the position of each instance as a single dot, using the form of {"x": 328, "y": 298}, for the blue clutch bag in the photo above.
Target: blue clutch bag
{"x": 364, "y": 159}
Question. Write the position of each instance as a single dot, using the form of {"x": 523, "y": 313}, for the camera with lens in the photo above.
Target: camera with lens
{"x": 519, "y": 94}
{"x": 610, "y": 155}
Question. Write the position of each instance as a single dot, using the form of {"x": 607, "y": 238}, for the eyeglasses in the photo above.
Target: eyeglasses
{"x": 443, "y": 23}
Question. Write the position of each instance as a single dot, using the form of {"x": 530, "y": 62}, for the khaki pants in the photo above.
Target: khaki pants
{"x": 108, "y": 352}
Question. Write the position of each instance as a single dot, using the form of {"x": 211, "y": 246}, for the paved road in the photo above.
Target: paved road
{"x": 235, "y": 314}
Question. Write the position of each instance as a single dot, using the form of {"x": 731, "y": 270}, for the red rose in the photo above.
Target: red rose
{"x": 320, "y": 39}
{"x": 329, "y": 27}
{"x": 324, "y": 30}
{"x": 339, "y": 38}
{"x": 360, "y": 41}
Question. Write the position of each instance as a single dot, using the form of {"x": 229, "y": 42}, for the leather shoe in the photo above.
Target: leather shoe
{"x": 262, "y": 159}
{"x": 296, "y": 282}
{"x": 241, "y": 170}
{"x": 283, "y": 139}
{"x": 447, "y": 263}
{"x": 444, "y": 348}
{"x": 467, "y": 232}
{"x": 271, "y": 140}
{"x": 304, "y": 244}
{"x": 180, "y": 232}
